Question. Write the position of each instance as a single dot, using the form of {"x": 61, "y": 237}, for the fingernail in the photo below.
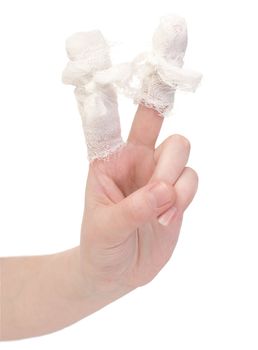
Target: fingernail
{"x": 167, "y": 217}
{"x": 160, "y": 194}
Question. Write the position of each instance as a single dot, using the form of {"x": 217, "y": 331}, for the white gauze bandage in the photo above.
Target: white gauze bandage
{"x": 151, "y": 78}
{"x": 96, "y": 97}
{"x": 159, "y": 73}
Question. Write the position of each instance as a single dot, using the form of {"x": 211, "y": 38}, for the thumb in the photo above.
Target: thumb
{"x": 147, "y": 203}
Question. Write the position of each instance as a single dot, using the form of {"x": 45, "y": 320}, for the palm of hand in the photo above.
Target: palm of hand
{"x": 133, "y": 259}
{"x": 138, "y": 259}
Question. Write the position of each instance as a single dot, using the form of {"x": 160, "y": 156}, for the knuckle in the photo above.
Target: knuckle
{"x": 182, "y": 140}
{"x": 193, "y": 174}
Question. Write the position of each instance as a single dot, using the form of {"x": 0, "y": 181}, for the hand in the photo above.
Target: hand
{"x": 125, "y": 240}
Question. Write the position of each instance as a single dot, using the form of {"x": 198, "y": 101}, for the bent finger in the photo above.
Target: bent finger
{"x": 122, "y": 219}
{"x": 171, "y": 157}
{"x": 186, "y": 187}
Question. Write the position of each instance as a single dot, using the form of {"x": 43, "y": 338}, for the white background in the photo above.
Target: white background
{"x": 206, "y": 296}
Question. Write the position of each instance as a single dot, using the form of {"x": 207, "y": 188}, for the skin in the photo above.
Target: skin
{"x": 125, "y": 239}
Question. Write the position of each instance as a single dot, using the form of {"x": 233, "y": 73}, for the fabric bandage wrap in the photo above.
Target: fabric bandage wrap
{"x": 159, "y": 73}
{"x": 97, "y": 100}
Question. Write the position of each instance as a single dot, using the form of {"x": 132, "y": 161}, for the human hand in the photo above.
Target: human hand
{"x": 134, "y": 200}
{"x": 126, "y": 238}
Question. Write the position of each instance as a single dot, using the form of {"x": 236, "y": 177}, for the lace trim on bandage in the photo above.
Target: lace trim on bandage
{"x": 153, "y": 82}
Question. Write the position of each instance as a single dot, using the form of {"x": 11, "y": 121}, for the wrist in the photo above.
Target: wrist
{"x": 95, "y": 284}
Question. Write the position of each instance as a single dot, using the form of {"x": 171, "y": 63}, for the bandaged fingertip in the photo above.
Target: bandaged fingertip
{"x": 97, "y": 100}
{"x": 163, "y": 73}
